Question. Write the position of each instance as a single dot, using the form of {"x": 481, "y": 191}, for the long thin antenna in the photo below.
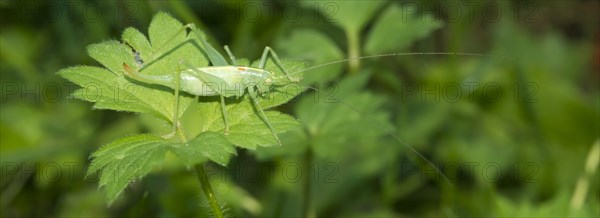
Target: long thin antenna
{"x": 390, "y": 132}
{"x": 404, "y": 54}
{"x": 397, "y": 138}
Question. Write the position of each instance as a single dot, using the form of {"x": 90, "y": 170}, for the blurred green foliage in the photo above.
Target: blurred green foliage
{"x": 521, "y": 150}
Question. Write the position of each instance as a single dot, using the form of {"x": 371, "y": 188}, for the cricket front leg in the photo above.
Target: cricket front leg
{"x": 233, "y": 61}
{"x": 251, "y": 93}
{"x": 263, "y": 61}
{"x": 224, "y": 110}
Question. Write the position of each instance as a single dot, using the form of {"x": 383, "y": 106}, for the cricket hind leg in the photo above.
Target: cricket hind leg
{"x": 233, "y": 61}
{"x": 175, "y": 120}
{"x": 210, "y": 79}
{"x": 213, "y": 55}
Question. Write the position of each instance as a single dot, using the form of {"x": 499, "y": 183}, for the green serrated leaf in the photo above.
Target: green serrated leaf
{"x": 162, "y": 27}
{"x": 112, "y": 54}
{"x": 127, "y": 159}
{"x": 395, "y": 30}
{"x": 211, "y": 145}
{"x": 246, "y": 128}
{"x": 350, "y": 116}
{"x": 114, "y": 92}
{"x": 138, "y": 41}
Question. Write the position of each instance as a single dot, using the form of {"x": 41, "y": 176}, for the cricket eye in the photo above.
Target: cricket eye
{"x": 268, "y": 80}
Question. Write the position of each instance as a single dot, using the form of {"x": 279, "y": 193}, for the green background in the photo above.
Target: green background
{"x": 512, "y": 132}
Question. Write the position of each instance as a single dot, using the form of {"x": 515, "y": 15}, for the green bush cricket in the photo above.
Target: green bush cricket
{"x": 221, "y": 79}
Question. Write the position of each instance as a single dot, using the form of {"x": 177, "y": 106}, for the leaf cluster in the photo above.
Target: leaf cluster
{"x": 200, "y": 125}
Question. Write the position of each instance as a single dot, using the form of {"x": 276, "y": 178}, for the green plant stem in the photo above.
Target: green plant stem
{"x": 208, "y": 192}
{"x": 353, "y": 50}
{"x": 583, "y": 183}
{"x": 204, "y": 184}
{"x": 181, "y": 9}
{"x": 307, "y": 210}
